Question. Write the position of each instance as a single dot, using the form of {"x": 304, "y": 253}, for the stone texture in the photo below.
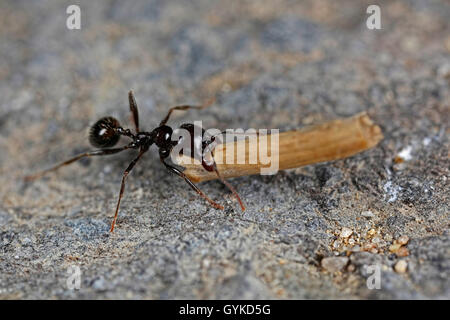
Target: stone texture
{"x": 271, "y": 64}
{"x": 334, "y": 264}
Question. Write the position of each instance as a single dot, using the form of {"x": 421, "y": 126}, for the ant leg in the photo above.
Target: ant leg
{"x": 229, "y": 186}
{"x": 101, "y": 152}
{"x": 134, "y": 110}
{"x": 122, "y": 186}
{"x": 185, "y": 107}
{"x": 209, "y": 167}
{"x": 191, "y": 184}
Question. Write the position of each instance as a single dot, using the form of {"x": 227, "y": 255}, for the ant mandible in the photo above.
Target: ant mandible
{"x": 105, "y": 134}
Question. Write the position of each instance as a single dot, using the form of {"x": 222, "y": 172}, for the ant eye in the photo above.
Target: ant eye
{"x": 103, "y": 133}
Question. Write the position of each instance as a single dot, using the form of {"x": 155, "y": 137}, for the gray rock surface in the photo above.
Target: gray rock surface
{"x": 271, "y": 64}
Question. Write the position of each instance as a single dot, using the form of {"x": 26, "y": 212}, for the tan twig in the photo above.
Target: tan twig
{"x": 326, "y": 142}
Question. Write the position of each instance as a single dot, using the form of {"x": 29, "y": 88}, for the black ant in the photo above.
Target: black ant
{"x": 105, "y": 133}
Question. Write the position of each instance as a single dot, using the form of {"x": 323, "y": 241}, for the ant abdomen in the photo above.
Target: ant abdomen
{"x": 103, "y": 133}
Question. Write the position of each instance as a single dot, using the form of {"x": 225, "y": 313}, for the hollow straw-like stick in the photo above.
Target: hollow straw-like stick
{"x": 333, "y": 140}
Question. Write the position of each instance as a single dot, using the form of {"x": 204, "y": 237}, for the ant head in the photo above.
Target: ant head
{"x": 103, "y": 133}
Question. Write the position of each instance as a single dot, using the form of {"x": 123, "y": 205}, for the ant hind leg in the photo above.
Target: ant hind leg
{"x": 100, "y": 152}
{"x": 122, "y": 186}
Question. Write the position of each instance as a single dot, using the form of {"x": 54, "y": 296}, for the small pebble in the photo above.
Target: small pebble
{"x": 99, "y": 284}
{"x": 401, "y": 266}
{"x": 282, "y": 261}
{"x": 336, "y": 244}
{"x": 394, "y": 247}
{"x": 26, "y": 241}
{"x": 367, "y": 214}
{"x": 376, "y": 240}
{"x": 139, "y": 193}
{"x": 402, "y": 252}
{"x": 334, "y": 264}
{"x": 403, "y": 240}
{"x": 399, "y": 166}
{"x": 346, "y": 232}
{"x": 351, "y": 268}
{"x": 369, "y": 246}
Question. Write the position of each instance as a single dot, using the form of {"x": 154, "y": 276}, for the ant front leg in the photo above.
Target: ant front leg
{"x": 229, "y": 186}
{"x": 191, "y": 184}
{"x": 134, "y": 110}
{"x": 185, "y": 107}
{"x": 211, "y": 166}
